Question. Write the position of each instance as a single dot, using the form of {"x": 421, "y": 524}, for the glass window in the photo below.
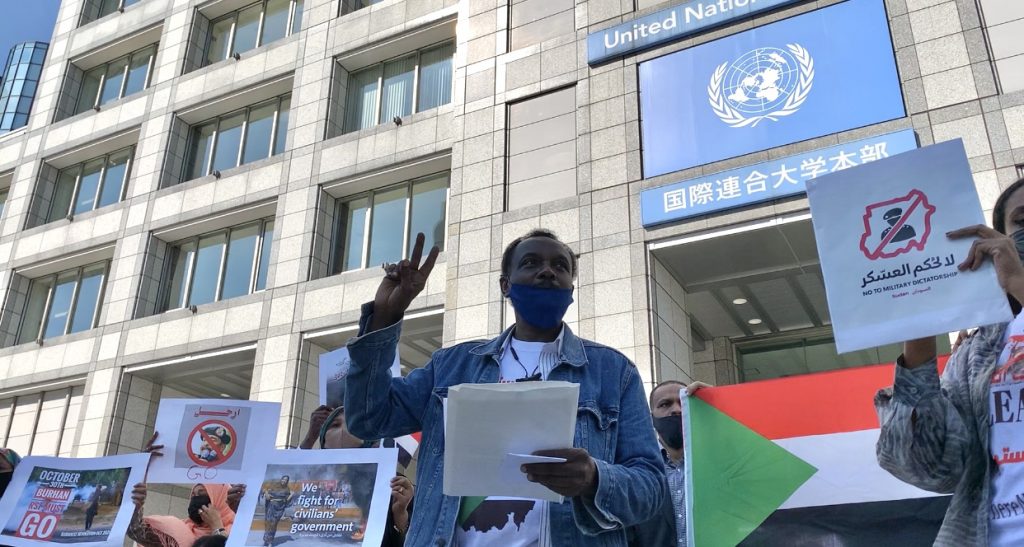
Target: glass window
{"x": 241, "y": 256}
{"x": 247, "y": 29}
{"x": 386, "y": 223}
{"x": 220, "y": 40}
{"x": 3, "y": 201}
{"x": 253, "y": 130}
{"x": 281, "y": 137}
{"x": 62, "y": 194}
{"x": 229, "y": 138}
{"x": 435, "y": 77}
{"x": 35, "y": 308}
{"x": 429, "y": 201}
{"x": 361, "y": 102}
{"x": 206, "y": 273}
{"x": 259, "y": 132}
{"x": 355, "y": 213}
{"x": 396, "y": 214}
{"x": 114, "y": 177}
{"x": 88, "y": 184}
{"x": 60, "y": 305}
{"x": 297, "y": 17}
{"x": 202, "y": 145}
{"x": 138, "y": 70}
{"x": 86, "y": 304}
{"x": 113, "y": 80}
{"x": 264, "y": 265}
{"x": 395, "y": 83}
{"x": 275, "y": 21}
{"x": 185, "y": 255}
{"x": 220, "y": 265}
{"x": 90, "y": 89}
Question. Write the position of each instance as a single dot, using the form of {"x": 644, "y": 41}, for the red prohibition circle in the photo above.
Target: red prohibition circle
{"x": 199, "y": 430}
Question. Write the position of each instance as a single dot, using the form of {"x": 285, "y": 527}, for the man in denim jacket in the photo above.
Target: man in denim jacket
{"x": 613, "y": 477}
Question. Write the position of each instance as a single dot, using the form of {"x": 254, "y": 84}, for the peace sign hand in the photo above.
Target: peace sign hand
{"x": 401, "y": 284}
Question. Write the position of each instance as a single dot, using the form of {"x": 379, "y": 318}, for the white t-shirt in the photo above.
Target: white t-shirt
{"x": 1006, "y": 407}
{"x": 510, "y": 522}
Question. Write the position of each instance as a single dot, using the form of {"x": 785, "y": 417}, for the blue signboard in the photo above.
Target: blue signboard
{"x": 764, "y": 181}
{"x": 671, "y": 24}
{"x": 814, "y": 74}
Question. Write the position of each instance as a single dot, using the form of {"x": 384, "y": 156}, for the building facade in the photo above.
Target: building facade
{"x": 206, "y": 189}
{"x": 20, "y": 80}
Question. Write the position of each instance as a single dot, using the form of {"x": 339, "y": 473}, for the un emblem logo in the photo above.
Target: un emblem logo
{"x": 763, "y": 84}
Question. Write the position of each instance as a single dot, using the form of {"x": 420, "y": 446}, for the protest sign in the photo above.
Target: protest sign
{"x": 213, "y": 440}
{"x": 890, "y": 271}
{"x": 79, "y": 501}
{"x": 317, "y": 497}
{"x": 806, "y": 471}
{"x": 333, "y": 370}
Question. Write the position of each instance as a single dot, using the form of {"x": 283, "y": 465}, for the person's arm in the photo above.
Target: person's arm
{"x": 138, "y": 531}
{"x": 377, "y": 405}
{"x": 631, "y": 489}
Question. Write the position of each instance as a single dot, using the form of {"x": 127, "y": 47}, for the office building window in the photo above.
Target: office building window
{"x": 1004, "y": 23}
{"x": 534, "y": 21}
{"x": 381, "y": 225}
{"x": 348, "y": 6}
{"x": 41, "y": 424}
{"x": 20, "y": 82}
{"x": 63, "y": 303}
{"x": 220, "y": 265}
{"x": 118, "y": 78}
{"x": 96, "y": 9}
{"x": 240, "y": 137}
{"x": 542, "y": 148}
{"x": 252, "y": 26}
{"x": 3, "y": 201}
{"x": 412, "y": 83}
{"x": 90, "y": 185}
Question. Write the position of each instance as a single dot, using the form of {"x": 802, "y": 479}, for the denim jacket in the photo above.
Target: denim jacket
{"x": 935, "y": 433}
{"x": 613, "y": 423}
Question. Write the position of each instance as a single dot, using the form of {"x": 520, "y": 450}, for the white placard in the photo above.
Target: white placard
{"x": 72, "y": 501}
{"x": 213, "y": 440}
{"x": 486, "y": 424}
{"x": 328, "y": 496}
{"x": 890, "y": 271}
{"x": 334, "y": 367}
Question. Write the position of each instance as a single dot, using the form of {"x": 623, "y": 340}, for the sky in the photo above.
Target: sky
{"x": 25, "y": 20}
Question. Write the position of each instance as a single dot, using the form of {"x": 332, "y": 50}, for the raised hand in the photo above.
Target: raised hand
{"x": 401, "y": 284}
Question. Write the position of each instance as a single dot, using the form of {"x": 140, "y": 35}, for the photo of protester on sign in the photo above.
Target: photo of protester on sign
{"x": 70, "y": 501}
{"x": 314, "y": 498}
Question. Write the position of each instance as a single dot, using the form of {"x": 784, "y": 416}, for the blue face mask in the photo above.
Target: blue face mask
{"x": 541, "y": 307}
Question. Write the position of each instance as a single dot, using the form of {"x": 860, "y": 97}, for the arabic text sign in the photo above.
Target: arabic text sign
{"x": 890, "y": 272}
{"x": 213, "y": 440}
{"x": 70, "y": 501}
{"x": 764, "y": 181}
{"x": 671, "y": 24}
{"x": 814, "y": 74}
{"x": 317, "y": 497}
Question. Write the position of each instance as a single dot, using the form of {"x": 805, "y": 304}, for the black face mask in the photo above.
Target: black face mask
{"x": 5, "y": 479}
{"x": 670, "y": 429}
{"x": 194, "y": 505}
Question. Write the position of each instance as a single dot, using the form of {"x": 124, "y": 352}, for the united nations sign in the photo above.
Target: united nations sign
{"x": 822, "y": 72}
{"x": 671, "y": 24}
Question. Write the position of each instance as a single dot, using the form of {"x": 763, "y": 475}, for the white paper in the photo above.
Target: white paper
{"x": 511, "y": 466}
{"x": 40, "y": 504}
{"x": 322, "y": 508}
{"x": 890, "y": 271}
{"x": 213, "y": 440}
{"x": 334, "y": 367}
{"x": 486, "y": 422}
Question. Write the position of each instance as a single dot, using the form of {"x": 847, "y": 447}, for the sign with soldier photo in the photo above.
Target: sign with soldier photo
{"x": 317, "y": 498}
{"x": 80, "y": 501}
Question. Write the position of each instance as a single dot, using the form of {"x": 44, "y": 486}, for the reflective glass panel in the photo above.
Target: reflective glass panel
{"x": 396, "y": 96}
{"x": 88, "y": 184}
{"x": 264, "y": 265}
{"x": 429, "y": 198}
{"x": 387, "y": 226}
{"x": 282, "y": 125}
{"x": 114, "y": 177}
{"x": 62, "y": 194}
{"x": 60, "y": 306}
{"x": 275, "y": 21}
{"x": 176, "y": 298}
{"x": 90, "y": 88}
{"x": 246, "y": 29}
{"x": 112, "y": 83}
{"x": 220, "y": 38}
{"x": 241, "y": 254}
{"x": 258, "y": 132}
{"x": 354, "y": 212}
{"x": 139, "y": 70}
{"x": 88, "y": 298}
{"x": 34, "y": 309}
{"x": 207, "y": 269}
{"x": 229, "y": 138}
{"x": 202, "y": 142}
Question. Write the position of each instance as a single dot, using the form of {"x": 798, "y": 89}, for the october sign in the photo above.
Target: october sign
{"x": 819, "y": 73}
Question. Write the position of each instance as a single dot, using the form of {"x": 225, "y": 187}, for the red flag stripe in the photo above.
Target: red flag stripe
{"x": 798, "y": 406}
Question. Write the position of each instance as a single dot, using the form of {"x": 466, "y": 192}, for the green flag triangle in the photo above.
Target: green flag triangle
{"x": 735, "y": 477}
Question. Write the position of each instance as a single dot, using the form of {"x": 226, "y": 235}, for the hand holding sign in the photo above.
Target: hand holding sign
{"x": 401, "y": 284}
{"x": 1001, "y": 249}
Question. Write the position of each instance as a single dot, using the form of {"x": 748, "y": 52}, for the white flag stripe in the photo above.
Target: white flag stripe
{"x": 848, "y": 471}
